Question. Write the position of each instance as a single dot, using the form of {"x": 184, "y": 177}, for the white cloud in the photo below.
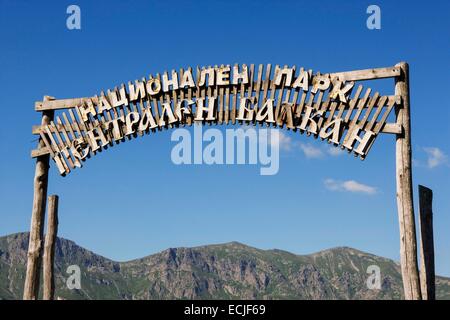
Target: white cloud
{"x": 349, "y": 186}
{"x": 335, "y": 151}
{"x": 284, "y": 141}
{"x": 310, "y": 151}
{"x": 436, "y": 157}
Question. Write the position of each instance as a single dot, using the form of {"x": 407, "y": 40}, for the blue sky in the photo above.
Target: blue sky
{"x": 133, "y": 201}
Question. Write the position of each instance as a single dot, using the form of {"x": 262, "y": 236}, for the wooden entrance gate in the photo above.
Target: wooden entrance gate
{"x": 328, "y": 106}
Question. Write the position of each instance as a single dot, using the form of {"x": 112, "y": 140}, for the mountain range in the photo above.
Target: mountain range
{"x": 221, "y": 271}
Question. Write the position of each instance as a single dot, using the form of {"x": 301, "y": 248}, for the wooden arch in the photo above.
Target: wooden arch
{"x": 331, "y": 106}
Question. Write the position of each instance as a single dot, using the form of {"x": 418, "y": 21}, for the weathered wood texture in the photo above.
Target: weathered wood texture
{"x": 31, "y": 287}
{"x": 369, "y": 74}
{"x": 356, "y": 75}
{"x": 408, "y": 244}
{"x": 49, "y": 248}
{"x": 427, "y": 276}
{"x": 327, "y": 96}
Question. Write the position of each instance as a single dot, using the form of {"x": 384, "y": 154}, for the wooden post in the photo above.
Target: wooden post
{"x": 408, "y": 242}
{"x": 31, "y": 287}
{"x": 427, "y": 277}
{"x": 49, "y": 248}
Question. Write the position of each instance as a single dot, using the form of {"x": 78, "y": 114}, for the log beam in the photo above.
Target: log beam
{"x": 408, "y": 242}
{"x": 49, "y": 248}
{"x": 34, "y": 257}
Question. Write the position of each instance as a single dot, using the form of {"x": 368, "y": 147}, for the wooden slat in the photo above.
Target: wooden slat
{"x": 300, "y": 107}
{"x": 295, "y": 96}
{"x": 68, "y": 126}
{"x": 220, "y": 102}
{"x": 61, "y": 143}
{"x": 241, "y": 93}
{"x": 209, "y": 93}
{"x": 153, "y": 104}
{"x": 76, "y": 125}
{"x": 361, "y": 105}
{"x": 174, "y": 102}
{"x": 251, "y": 84}
{"x": 282, "y": 112}
{"x": 258, "y": 91}
{"x": 79, "y": 127}
{"x": 278, "y": 92}
{"x": 387, "y": 111}
{"x": 352, "y": 104}
{"x": 266, "y": 85}
{"x": 189, "y": 97}
{"x": 273, "y": 91}
{"x": 379, "y": 107}
{"x": 180, "y": 122}
{"x": 371, "y": 104}
{"x": 227, "y": 105}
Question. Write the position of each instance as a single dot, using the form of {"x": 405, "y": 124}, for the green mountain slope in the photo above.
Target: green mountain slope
{"x": 225, "y": 271}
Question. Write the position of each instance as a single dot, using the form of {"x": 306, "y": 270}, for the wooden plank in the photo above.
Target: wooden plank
{"x": 241, "y": 92}
{"x": 49, "y": 248}
{"x": 109, "y": 118}
{"x": 387, "y": 111}
{"x": 54, "y": 146}
{"x": 258, "y": 91}
{"x": 367, "y": 74}
{"x": 392, "y": 128}
{"x": 266, "y": 86}
{"x": 198, "y": 93}
{"x": 203, "y": 96}
{"x": 153, "y": 104}
{"x": 39, "y": 152}
{"x": 427, "y": 275}
{"x": 379, "y": 107}
{"x": 77, "y": 126}
{"x": 227, "y": 105}
{"x": 300, "y": 107}
{"x": 80, "y": 127}
{"x": 273, "y": 92}
{"x": 213, "y": 92}
{"x": 209, "y": 93}
{"x": 182, "y": 120}
{"x": 137, "y": 107}
{"x": 295, "y": 98}
{"x": 323, "y": 109}
{"x": 174, "y": 102}
{"x": 62, "y": 149}
{"x": 220, "y": 102}
{"x": 250, "y": 87}
{"x": 361, "y": 105}
{"x": 285, "y": 104}
{"x": 189, "y": 119}
{"x": 278, "y": 93}
{"x": 60, "y": 104}
{"x": 352, "y": 104}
